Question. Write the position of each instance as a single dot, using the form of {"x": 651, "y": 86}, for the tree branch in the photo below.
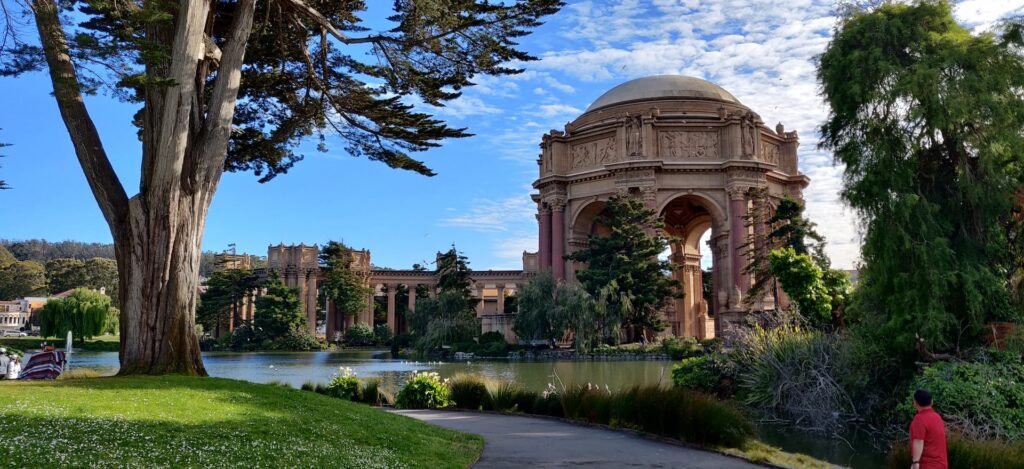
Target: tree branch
{"x": 217, "y": 128}
{"x": 102, "y": 179}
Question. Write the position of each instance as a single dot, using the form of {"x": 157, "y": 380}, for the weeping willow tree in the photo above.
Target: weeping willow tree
{"x": 927, "y": 119}
{"x": 85, "y": 313}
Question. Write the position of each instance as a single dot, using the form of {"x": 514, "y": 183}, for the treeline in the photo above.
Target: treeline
{"x": 43, "y": 251}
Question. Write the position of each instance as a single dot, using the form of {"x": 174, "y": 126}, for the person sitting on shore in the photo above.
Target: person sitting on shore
{"x": 5, "y": 360}
{"x": 14, "y": 367}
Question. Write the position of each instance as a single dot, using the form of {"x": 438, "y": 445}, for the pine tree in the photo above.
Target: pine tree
{"x": 344, "y": 282}
{"x": 623, "y": 269}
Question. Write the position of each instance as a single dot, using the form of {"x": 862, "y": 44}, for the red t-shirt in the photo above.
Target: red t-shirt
{"x": 928, "y": 426}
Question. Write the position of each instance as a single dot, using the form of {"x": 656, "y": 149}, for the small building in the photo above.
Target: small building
{"x": 14, "y": 315}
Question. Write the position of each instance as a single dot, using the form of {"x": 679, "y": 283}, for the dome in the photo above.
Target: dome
{"x": 663, "y": 86}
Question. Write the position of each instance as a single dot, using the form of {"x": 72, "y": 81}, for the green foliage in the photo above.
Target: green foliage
{"x": 345, "y": 385}
{"x": 450, "y": 320}
{"x": 222, "y": 300}
{"x": 925, "y": 118}
{"x": 964, "y": 453}
{"x": 85, "y": 313}
{"x": 65, "y": 274}
{"x": 425, "y": 390}
{"x": 983, "y": 400}
{"x": 21, "y": 279}
{"x": 359, "y": 335}
{"x": 372, "y": 394}
{"x": 297, "y": 340}
{"x": 278, "y": 310}
{"x": 6, "y": 258}
{"x": 623, "y": 268}
{"x": 469, "y": 392}
{"x": 710, "y": 374}
{"x": 536, "y": 319}
{"x": 802, "y": 280}
{"x": 453, "y": 273}
{"x": 382, "y": 334}
{"x": 345, "y": 279}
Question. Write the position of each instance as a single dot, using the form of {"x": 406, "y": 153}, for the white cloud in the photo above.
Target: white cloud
{"x": 465, "y": 106}
{"x": 553, "y": 110}
{"x": 494, "y": 216}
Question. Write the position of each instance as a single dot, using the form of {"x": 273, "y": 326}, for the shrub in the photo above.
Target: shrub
{"x": 966, "y": 454}
{"x": 791, "y": 372}
{"x": 468, "y": 392}
{"x": 423, "y": 391}
{"x": 571, "y": 400}
{"x": 595, "y": 405}
{"x": 491, "y": 337}
{"x": 503, "y": 396}
{"x": 359, "y": 335}
{"x": 680, "y": 348}
{"x": 314, "y": 387}
{"x": 382, "y": 334}
{"x": 981, "y": 400}
{"x": 344, "y": 385}
{"x": 548, "y": 403}
{"x": 297, "y": 340}
{"x": 493, "y": 349}
{"x": 697, "y": 373}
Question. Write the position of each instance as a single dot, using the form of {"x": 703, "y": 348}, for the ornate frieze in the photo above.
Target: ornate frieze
{"x": 635, "y": 177}
{"x": 769, "y": 153}
{"x": 594, "y": 153}
{"x": 674, "y": 145}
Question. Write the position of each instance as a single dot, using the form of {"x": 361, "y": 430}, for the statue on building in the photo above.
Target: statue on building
{"x": 634, "y": 140}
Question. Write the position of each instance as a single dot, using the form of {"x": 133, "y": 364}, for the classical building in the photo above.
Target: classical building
{"x": 692, "y": 152}
{"x": 13, "y": 315}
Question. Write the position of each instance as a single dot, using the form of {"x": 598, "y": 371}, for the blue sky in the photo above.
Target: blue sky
{"x": 760, "y": 50}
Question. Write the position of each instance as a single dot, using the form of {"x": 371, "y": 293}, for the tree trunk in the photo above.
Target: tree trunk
{"x": 158, "y": 233}
{"x": 158, "y": 257}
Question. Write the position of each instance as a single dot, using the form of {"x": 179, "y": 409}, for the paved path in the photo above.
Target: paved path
{"x": 524, "y": 442}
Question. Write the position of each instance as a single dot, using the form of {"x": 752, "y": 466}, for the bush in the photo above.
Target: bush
{"x": 491, "y": 337}
{"x": 493, "y": 349}
{"x": 680, "y": 348}
{"x": 967, "y": 454}
{"x": 344, "y": 385}
{"x": 424, "y": 391}
{"x": 526, "y": 401}
{"x": 359, "y": 335}
{"x": 981, "y": 400}
{"x": 469, "y": 392}
{"x": 382, "y": 334}
{"x": 314, "y": 387}
{"x": 705, "y": 373}
{"x": 548, "y": 403}
{"x": 297, "y": 340}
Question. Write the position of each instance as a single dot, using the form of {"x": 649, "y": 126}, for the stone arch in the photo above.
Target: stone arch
{"x": 585, "y": 219}
{"x": 688, "y": 216}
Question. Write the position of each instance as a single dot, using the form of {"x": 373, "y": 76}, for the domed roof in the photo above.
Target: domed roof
{"x": 663, "y": 86}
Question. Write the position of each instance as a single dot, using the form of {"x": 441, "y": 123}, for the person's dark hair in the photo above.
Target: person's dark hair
{"x": 923, "y": 398}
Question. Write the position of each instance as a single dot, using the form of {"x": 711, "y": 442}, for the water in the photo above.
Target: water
{"x": 296, "y": 368}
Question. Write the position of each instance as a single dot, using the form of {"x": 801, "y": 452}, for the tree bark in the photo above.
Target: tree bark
{"x": 158, "y": 233}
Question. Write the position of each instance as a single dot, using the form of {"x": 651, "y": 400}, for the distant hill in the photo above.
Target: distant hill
{"x": 42, "y": 250}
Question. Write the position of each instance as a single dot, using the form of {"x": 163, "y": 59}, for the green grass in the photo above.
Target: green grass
{"x": 206, "y": 422}
{"x": 104, "y": 343}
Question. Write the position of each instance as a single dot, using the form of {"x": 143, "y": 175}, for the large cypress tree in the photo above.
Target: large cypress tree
{"x": 237, "y": 85}
{"x": 926, "y": 117}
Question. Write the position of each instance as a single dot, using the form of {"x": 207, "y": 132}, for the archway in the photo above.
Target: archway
{"x": 691, "y": 223}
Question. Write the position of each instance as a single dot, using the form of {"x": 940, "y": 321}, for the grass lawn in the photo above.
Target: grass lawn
{"x": 208, "y": 422}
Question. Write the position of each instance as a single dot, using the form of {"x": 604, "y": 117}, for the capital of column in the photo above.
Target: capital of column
{"x": 557, "y": 204}
{"x": 649, "y": 194}
{"x": 737, "y": 192}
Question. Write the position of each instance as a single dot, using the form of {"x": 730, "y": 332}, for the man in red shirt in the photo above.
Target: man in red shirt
{"x": 927, "y": 435}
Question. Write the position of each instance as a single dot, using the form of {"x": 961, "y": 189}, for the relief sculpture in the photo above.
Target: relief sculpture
{"x": 593, "y": 153}
{"x": 682, "y": 145}
{"x": 769, "y": 153}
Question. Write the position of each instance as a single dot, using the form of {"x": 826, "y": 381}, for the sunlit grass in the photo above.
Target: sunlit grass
{"x": 759, "y": 452}
{"x": 207, "y": 422}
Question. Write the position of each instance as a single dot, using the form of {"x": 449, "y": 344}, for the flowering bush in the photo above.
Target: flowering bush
{"x": 344, "y": 385}
{"x": 424, "y": 391}
{"x": 359, "y": 335}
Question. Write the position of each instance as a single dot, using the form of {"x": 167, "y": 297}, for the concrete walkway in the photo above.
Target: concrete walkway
{"x": 524, "y": 442}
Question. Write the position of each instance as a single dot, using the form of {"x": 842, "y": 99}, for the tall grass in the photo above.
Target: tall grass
{"x": 503, "y": 396}
{"x": 469, "y": 392}
{"x": 968, "y": 454}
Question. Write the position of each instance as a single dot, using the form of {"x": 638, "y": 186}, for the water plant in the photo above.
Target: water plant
{"x": 425, "y": 390}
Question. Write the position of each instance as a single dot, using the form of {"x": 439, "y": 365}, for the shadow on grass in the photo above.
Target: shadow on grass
{"x": 203, "y": 422}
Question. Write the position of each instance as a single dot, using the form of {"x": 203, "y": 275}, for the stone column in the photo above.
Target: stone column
{"x": 650, "y": 196}
{"x": 367, "y": 316}
{"x": 392, "y": 291}
{"x": 311, "y": 300}
{"x": 737, "y": 237}
{"x": 545, "y": 237}
{"x": 501, "y": 299}
{"x": 558, "y": 238}
{"x": 412, "y": 297}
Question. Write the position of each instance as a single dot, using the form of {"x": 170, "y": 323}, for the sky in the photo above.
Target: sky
{"x": 762, "y": 51}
